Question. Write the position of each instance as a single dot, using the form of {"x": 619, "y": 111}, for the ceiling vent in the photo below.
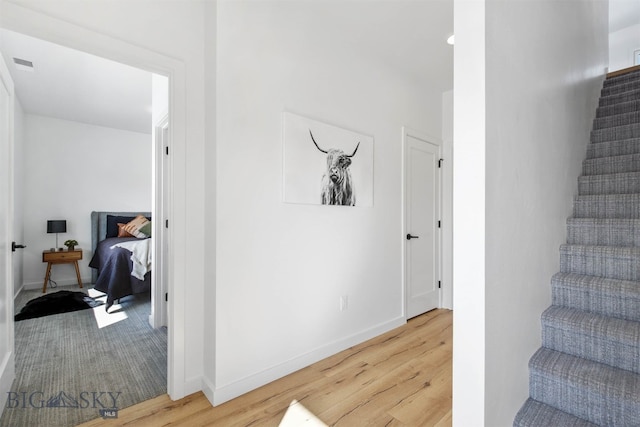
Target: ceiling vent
{"x": 23, "y": 64}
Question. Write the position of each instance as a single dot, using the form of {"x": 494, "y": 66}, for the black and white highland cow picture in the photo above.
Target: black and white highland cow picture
{"x": 325, "y": 164}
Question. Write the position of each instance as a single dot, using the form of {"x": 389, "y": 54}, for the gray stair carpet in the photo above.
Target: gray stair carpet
{"x": 613, "y": 148}
{"x": 618, "y": 183}
{"x": 587, "y": 372}
{"x": 630, "y": 96}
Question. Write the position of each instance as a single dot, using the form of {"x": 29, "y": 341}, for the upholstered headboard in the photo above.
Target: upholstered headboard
{"x": 99, "y": 230}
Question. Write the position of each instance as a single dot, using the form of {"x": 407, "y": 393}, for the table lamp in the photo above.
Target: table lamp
{"x": 57, "y": 226}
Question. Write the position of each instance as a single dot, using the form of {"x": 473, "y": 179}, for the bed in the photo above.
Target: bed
{"x": 116, "y": 260}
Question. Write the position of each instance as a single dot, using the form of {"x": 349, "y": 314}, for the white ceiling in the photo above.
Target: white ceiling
{"x": 623, "y": 13}
{"x": 73, "y": 85}
{"x": 77, "y": 86}
{"x": 410, "y": 37}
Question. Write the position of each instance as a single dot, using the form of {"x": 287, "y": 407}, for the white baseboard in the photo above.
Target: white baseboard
{"x": 18, "y": 292}
{"x": 230, "y": 391}
{"x": 86, "y": 282}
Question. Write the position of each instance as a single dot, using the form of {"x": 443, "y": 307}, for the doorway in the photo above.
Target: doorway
{"x": 422, "y": 222}
{"x": 79, "y": 132}
{"x": 36, "y": 24}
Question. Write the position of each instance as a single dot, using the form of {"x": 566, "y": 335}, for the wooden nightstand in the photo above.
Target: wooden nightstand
{"x": 61, "y": 257}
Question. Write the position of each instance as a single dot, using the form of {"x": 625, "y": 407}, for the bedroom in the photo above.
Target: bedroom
{"x": 84, "y": 143}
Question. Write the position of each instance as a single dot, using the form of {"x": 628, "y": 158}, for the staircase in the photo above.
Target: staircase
{"x": 587, "y": 372}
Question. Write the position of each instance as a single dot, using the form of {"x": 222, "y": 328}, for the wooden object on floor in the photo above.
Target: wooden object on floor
{"x": 61, "y": 257}
{"x": 401, "y": 378}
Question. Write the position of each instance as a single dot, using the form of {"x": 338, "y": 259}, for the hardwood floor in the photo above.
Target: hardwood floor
{"x": 401, "y": 378}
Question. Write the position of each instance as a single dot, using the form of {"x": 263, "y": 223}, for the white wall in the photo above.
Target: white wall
{"x": 281, "y": 268}
{"x": 541, "y": 94}
{"x": 622, "y": 44}
{"x": 18, "y": 195}
{"x": 160, "y": 37}
{"x": 71, "y": 169}
{"x": 210, "y": 267}
{"x": 469, "y": 140}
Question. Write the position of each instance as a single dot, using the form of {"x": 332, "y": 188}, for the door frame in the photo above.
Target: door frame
{"x": 406, "y": 133}
{"x": 7, "y": 360}
{"x": 32, "y": 23}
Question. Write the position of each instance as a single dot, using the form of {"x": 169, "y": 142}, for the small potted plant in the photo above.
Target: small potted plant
{"x": 71, "y": 244}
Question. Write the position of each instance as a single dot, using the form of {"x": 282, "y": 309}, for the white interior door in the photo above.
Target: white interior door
{"x": 422, "y": 215}
{"x": 7, "y": 368}
{"x": 160, "y": 276}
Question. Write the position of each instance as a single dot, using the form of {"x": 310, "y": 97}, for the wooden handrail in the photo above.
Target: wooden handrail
{"x": 623, "y": 71}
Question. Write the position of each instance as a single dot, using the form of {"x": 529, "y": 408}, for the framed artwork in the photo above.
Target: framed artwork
{"x": 325, "y": 164}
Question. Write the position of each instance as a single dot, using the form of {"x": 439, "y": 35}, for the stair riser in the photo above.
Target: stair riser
{"x": 596, "y": 295}
{"x": 621, "y": 108}
{"x": 593, "y": 348}
{"x": 604, "y": 235}
{"x": 536, "y": 414}
{"x": 609, "y": 184}
{"x": 621, "y": 267}
{"x": 612, "y": 348}
{"x": 611, "y": 165}
{"x": 621, "y": 87}
{"x": 616, "y": 148}
{"x": 606, "y": 207}
{"x": 625, "y": 78}
{"x": 592, "y": 405}
{"x": 615, "y": 133}
{"x": 619, "y": 98}
{"x": 607, "y": 302}
{"x": 617, "y": 120}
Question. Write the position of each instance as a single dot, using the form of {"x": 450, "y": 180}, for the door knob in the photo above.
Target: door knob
{"x": 14, "y": 246}
{"x": 409, "y": 237}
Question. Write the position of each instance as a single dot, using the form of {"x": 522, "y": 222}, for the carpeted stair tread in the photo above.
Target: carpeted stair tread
{"x": 607, "y": 206}
{"x": 613, "y": 148}
{"x": 538, "y": 414}
{"x": 612, "y": 183}
{"x": 616, "y": 133}
{"x": 592, "y": 336}
{"x": 603, "y": 231}
{"x": 600, "y": 295}
{"x": 615, "y": 109}
{"x": 618, "y": 98}
{"x": 622, "y": 79}
{"x": 614, "y": 262}
{"x": 610, "y": 165}
{"x": 621, "y": 119}
{"x": 621, "y": 87}
{"x": 593, "y": 391}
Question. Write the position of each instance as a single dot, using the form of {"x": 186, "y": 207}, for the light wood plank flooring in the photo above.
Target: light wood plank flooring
{"x": 401, "y": 378}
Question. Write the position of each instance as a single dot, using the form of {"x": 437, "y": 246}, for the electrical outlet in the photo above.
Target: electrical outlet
{"x": 344, "y": 302}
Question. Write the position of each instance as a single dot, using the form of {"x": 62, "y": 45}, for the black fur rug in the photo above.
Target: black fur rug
{"x": 56, "y": 303}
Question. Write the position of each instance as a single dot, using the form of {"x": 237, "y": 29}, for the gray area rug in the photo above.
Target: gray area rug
{"x": 68, "y": 370}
